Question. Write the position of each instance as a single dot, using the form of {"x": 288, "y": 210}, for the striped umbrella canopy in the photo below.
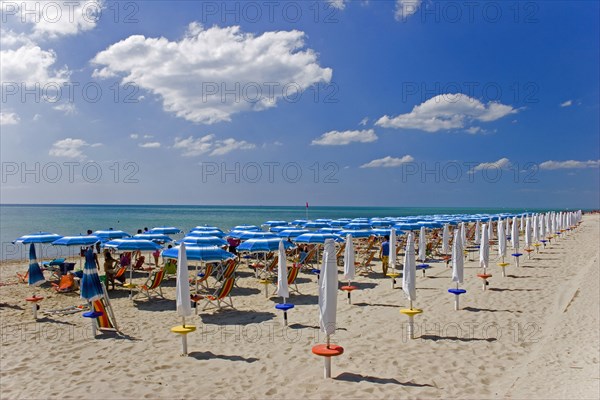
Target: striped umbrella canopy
{"x": 91, "y": 287}
{"x": 208, "y": 253}
{"x": 292, "y": 233}
{"x": 327, "y": 220}
{"x": 315, "y": 224}
{"x": 315, "y": 237}
{"x": 357, "y": 226}
{"x": 339, "y": 222}
{"x": 39, "y": 237}
{"x": 166, "y": 230}
{"x": 362, "y": 233}
{"x": 262, "y": 245}
{"x": 155, "y": 237}
{"x": 246, "y": 228}
{"x": 407, "y": 226}
{"x": 35, "y": 276}
{"x": 206, "y": 228}
{"x": 256, "y": 235}
{"x": 76, "y": 241}
{"x": 202, "y": 241}
{"x": 110, "y": 234}
{"x": 328, "y": 230}
{"x": 299, "y": 222}
{"x": 277, "y": 229}
{"x": 132, "y": 244}
{"x": 275, "y": 223}
{"x": 213, "y": 232}
{"x": 383, "y": 231}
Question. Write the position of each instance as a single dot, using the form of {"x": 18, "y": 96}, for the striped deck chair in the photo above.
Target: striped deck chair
{"x": 170, "y": 268}
{"x": 308, "y": 258}
{"x": 364, "y": 266}
{"x": 220, "y": 296}
{"x": 339, "y": 256}
{"x": 292, "y": 275}
{"x": 107, "y": 321}
{"x": 153, "y": 285}
{"x": 202, "y": 277}
{"x": 23, "y": 278}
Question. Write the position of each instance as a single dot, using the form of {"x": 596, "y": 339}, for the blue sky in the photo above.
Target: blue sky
{"x": 383, "y": 103}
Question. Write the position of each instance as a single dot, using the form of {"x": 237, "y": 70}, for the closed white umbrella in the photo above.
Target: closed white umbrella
{"x": 328, "y": 287}
{"x": 528, "y": 237}
{"x": 477, "y": 232}
{"x": 484, "y": 255}
{"x": 409, "y": 273}
{"x": 282, "y": 276}
{"x": 392, "y": 256}
{"x": 183, "y": 302}
{"x": 282, "y": 282}
{"x": 522, "y": 223}
{"x": 501, "y": 240}
{"x": 445, "y": 240}
{"x": 422, "y": 245}
{"x": 349, "y": 267}
{"x": 490, "y": 230}
{"x": 457, "y": 268}
{"x": 514, "y": 238}
{"x": 463, "y": 234}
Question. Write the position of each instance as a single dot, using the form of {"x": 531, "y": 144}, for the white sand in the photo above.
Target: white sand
{"x": 533, "y": 334}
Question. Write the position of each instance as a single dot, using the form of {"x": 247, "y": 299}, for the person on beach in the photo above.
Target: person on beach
{"x": 233, "y": 244}
{"x": 384, "y": 254}
{"x": 109, "y": 268}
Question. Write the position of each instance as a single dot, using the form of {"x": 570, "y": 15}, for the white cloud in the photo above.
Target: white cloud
{"x": 388, "y": 162}
{"x": 134, "y": 136}
{"x": 9, "y": 118}
{"x": 474, "y": 129}
{"x": 53, "y": 19}
{"x": 500, "y": 164}
{"x": 337, "y": 138}
{"x": 195, "y": 76}
{"x": 69, "y": 148}
{"x": 445, "y": 112}
{"x": 567, "y": 103}
{"x": 570, "y": 164}
{"x": 364, "y": 121}
{"x": 406, "y": 8}
{"x": 30, "y": 65}
{"x": 148, "y": 136}
{"x": 207, "y": 144}
{"x": 67, "y": 108}
{"x": 37, "y": 117}
{"x": 339, "y": 4}
{"x": 150, "y": 145}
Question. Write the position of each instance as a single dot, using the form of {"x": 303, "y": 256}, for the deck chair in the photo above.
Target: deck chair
{"x": 170, "y": 268}
{"x": 106, "y": 322}
{"x": 307, "y": 259}
{"x": 339, "y": 256}
{"x": 67, "y": 284}
{"x": 23, "y": 278}
{"x": 202, "y": 277}
{"x": 260, "y": 270}
{"x": 153, "y": 285}
{"x": 219, "y": 298}
{"x": 364, "y": 266}
{"x": 139, "y": 263}
{"x": 228, "y": 270}
{"x": 292, "y": 275}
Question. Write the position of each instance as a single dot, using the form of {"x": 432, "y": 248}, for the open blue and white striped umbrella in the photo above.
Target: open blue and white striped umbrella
{"x": 76, "y": 241}
{"x": 361, "y": 233}
{"x": 246, "y": 228}
{"x": 262, "y": 245}
{"x": 275, "y": 223}
{"x": 206, "y": 228}
{"x": 255, "y": 235}
{"x": 277, "y": 229}
{"x": 155, "y": 237}
{"x": 111, "y": 234}
{"x": 202, "y": 241}
{"x": 166, "y": 230}
{"x": 208, "y": 254}
{"x": 356, "y": 226}
{"x": 132, "y": 244}
{"x": 315, "y": 224}
{"x": 35, "y": 276}
{"x": 316, "y": 237}
{"x": 208, "y": 232}
{"x": 328, "y": 230}
{"x": 91, "y": 287}
{"x": 39, "y": 237}
{"x": 292, "y": 233}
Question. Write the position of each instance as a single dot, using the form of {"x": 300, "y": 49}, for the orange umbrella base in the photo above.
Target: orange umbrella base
{"x": 348, "y": 288}
{"x": 331, "y": 351}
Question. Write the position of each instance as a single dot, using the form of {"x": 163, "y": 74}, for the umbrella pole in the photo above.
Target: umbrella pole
{"x": 456, "y": 300}
{"x": 327, "y": 361}
{"x": 349, "y": 291}
{"x": 284, "y": 314}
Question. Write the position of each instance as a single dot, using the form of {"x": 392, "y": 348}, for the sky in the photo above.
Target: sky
{"x": 349, "y": 103}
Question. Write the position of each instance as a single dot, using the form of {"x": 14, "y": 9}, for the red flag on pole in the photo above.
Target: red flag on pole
{"x": 307, "y": 204}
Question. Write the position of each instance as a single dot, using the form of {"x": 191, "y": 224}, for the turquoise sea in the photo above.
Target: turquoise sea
{"x": 17, "y": 220}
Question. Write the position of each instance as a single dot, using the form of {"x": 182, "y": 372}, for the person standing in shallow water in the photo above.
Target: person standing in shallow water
{"x": 384, "y": 254}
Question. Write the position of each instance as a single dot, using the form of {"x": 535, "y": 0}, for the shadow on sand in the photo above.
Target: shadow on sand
{"x": 350, "y": 377}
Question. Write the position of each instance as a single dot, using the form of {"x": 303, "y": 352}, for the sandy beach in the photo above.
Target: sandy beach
{"x": 533, "y": 334}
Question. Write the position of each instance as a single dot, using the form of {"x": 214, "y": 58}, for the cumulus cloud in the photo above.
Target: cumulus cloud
{"x": 364, "y": 121}
{"x": 150, "y": 145}
{"x": 567, "y": 103}
{"x": 67, "y": 108}
{"x": 209, "y": 145}
{"x": 54, "y": 19}
{"x": 445, "y": 112}
{"x": 9, "y": 118}
{"x": 337, "y": 138}
{"x": 134, "y": 136}
{"x": 211, "y": 74}
{"x": 24, "y": 62}
{"x": 69, "y": 148}
{"x": 388, "y": 162}
{"x": 500, "y": 164}
{"x": 406, "y": 8}
{"x": 570, "y": 164}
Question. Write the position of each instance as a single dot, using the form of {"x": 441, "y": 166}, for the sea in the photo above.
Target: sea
{"x": 70, "y": 220}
